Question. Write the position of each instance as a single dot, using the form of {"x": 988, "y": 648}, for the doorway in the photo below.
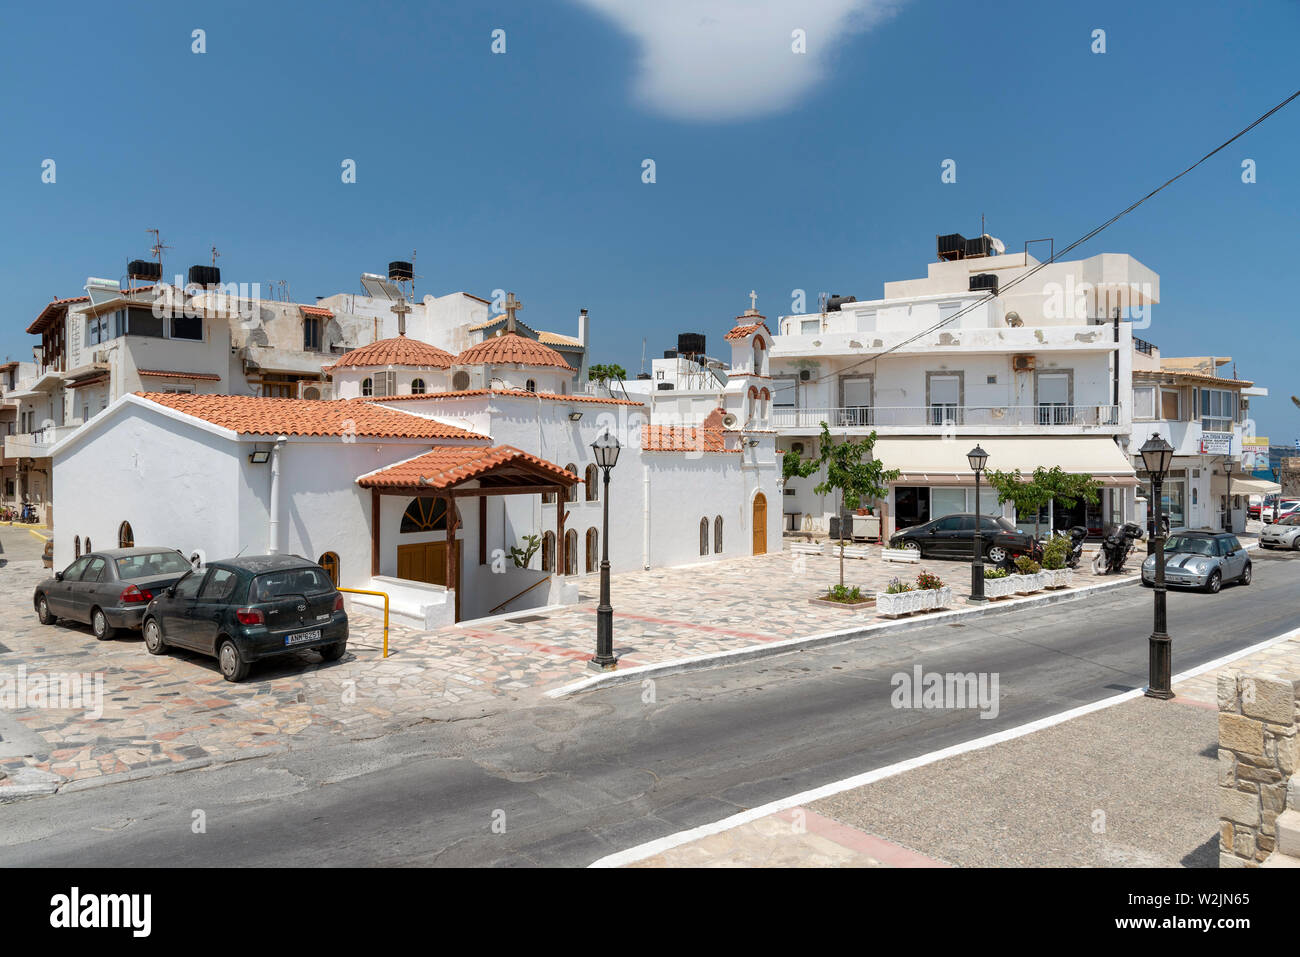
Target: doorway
{"x": 760, "y": 524}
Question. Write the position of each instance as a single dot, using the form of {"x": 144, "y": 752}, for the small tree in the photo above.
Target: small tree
{"x": 853, "y": 478}
{"x": 1026, "y": 495}
{"x": 1043, "y": 487}
{"x": 603, "y": 374}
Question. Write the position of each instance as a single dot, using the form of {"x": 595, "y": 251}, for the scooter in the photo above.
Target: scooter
{"x": 1077, "y": 534}
{"x": 1115, "y": 549}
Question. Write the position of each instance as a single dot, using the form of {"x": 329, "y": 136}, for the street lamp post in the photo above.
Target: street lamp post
{"x": 977, "y": 458}
{"x": 605, "y": 449}
{"x": 1156, "y": 456}
{"x": 1227, "y": 508}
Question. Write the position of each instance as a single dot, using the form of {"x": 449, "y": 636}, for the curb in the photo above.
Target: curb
{"x": 157, "y": 770}
{"x": 754, "y": 652}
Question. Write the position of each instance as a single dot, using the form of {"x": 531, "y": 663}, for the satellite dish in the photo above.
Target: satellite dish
{"x": 729, "y": 421}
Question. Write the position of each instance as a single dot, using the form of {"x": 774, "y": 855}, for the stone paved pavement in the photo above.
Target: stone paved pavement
{"x": 162, "y": 711}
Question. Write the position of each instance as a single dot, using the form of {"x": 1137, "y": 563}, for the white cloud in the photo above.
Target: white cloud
{"x": 732, "y": 59}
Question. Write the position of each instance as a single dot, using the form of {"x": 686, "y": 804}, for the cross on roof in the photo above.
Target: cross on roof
{"x": 401, "y": 307}
{"x": 753, "y": 301}
{"x": 513, "y": 305}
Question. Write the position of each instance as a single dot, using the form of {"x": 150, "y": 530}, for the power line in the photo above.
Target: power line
{"x": 1055, "y": 256}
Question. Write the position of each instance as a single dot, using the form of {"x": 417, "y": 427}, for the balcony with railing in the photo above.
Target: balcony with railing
{"x": 933, "y": 418}
{"x": 37, "y": 444}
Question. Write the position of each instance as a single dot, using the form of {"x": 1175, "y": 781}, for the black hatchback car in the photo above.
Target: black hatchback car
{"x": 953, "y": 536}
{"x": 246, "y": 609}
{"x": 109, "y": 590}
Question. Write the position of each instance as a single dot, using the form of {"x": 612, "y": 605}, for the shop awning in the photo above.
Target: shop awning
{"x": 1254, "y": 486}
{"x": 942, "y": 461}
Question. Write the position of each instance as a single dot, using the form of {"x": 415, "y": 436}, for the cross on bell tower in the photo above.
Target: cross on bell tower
{"x": 753, "y": 304}
{"x": 513, "y": 305}
{"x": 401, "y": 307}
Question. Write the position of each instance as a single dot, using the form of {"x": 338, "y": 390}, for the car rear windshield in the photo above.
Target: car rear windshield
{"x": 152, "y": 564}
{"x": 291, "y": 581}
{"x": 1190, "y": 546}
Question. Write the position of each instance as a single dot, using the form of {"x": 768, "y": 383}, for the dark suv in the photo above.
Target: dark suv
{"x": 246, "y": 609}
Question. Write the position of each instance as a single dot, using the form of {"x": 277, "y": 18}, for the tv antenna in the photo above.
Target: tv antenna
{"x": 158, "y": 245}
{"x": 215, "y": 255}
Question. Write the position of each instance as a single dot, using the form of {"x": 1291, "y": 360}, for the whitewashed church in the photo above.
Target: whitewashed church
{"x": 430, "y": 473}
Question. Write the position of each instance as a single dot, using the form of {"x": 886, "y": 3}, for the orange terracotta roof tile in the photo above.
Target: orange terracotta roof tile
{"x": 53, "y": 308}
{"x": 317, "y": 311}
{"x": 397, "y": 351}
{"x": 672, "y": 438}
{"x": 446, "y": 467}
{"x": 164, "y": 374}
{"x": 555, "y": 339}
{"x": 742, "y": 329}
{"x": 512, "y": 349}
{"x": 260, "y": 415}
{"x": 517, "y": 393}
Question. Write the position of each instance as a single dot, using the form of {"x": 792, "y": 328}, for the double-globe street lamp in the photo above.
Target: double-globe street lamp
{"x": 605, "y": 450}
{"x": 1156, "y": 457}
{"x": 977, "y": 458}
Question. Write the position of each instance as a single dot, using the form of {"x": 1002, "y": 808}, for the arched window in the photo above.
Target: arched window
{"x": 530, "y": 385}
{"x": 76, "y": 546}
{"x": 417, "y": 387}
{"x": 593, "y": 550}
{"x": 760, "y": 353}
{"x": 330, "y": 562}
{"x": 717, "y": 535}
{"x": 573, "y": 489}
{"x": 704, "y": 536}
{"x": 367, "y": 386}
{"x": 88, "y": 548}
{"x": 125, "y": 537}
{"x": 751, "y": 411}
{"x": 548, "y": 552}
{"x": 765, "y": 409}
{"x": 571, "y": 552}
{"x": 425, "y": 515}
{"x": 460, "y": 381}
{"x": 593, "y": 485}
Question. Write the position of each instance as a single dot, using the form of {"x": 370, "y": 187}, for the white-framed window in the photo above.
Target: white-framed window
{"x": 1144, "y": 402}
{"x": 944, "y": 397}
{"x": 810, "y": 327}
{"x": 417, "y": 387}
{"x": 1218, "y": 409}
{"x": 367, "y": 386}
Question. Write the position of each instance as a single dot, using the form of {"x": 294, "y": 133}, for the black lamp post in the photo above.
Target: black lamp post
{"x": 1227, "y": 509}
{"x": 605, "y": 449}
{"x": 1156, "y": 456}
{"x": 977, "y": 457}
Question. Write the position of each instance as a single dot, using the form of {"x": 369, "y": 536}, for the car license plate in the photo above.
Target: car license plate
{"x": 301, "y": 637}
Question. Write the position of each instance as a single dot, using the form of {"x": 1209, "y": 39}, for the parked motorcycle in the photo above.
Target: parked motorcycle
{"x": 1115, "y": 549}
{"x": 1077, "y": 534}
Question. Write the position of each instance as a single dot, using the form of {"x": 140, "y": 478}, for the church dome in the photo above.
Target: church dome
{"x": 397, "y": 351}
{"x": 512, "y": 348}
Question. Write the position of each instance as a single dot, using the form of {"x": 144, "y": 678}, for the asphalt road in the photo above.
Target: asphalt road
{"x": 571, "y": 781}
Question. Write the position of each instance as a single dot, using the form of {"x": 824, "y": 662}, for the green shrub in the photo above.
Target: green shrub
{"x": 995, "y": 572}
{"x": 897, "y": 586}
{"x": 1055, "y": 552}
{"x": 845, "y": 594}
{"x": 1027, "y": 566}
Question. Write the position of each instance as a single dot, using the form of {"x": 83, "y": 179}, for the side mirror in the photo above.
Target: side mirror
{"x": 171, "y": 591}
{"x": 58, "y": 576}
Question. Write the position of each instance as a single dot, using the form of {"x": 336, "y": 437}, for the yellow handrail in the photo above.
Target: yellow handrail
{"x": 378, "y": 594}
{"x": 522, "y": 593}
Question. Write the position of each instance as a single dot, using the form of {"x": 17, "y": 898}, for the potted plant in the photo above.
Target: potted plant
{"x": 998, "y": 583}
{"x": 841, "y": 596}
{"x": 898, "y": 598}
{"x": 1029, "y": 578}
{"x": 934, "y": 593}
{"x": 1055, "y": 553}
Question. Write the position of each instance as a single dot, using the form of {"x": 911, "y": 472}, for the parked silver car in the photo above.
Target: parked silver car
{"x": 1283, "y": 534}
{"x": 1201, "y": 560}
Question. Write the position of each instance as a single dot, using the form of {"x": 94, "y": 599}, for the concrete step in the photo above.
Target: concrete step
{"x": 1277, "y": 859}
{"x": 1288, "y": 833}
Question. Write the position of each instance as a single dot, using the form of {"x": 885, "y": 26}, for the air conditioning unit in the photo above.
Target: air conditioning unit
{"x": 1022, "y": 363}
{"x": 804, "y": 375}
{"x": 796, "y": 448}
{"x": 99, "y": 355}
{"x": 729, "y": 421}
{"x": 307, "y": 389}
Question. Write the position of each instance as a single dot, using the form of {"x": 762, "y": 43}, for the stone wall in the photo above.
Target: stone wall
{"x": 1258, "y": 752}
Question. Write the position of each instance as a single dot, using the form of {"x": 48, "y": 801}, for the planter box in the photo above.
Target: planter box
{"x": 911, "y": 555}
{"x": 1059, "y": 577}
{"x": 937, "y": 598}
{"x": 904, "y": 603}
{"x": 852, "y": 551}
{"x": 1000, "y": 587}
{"x": 807, "y": 548}
{"x": 1027, "y": 584}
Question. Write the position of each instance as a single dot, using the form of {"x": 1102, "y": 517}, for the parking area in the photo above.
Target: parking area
{"x": 177, "y": 707}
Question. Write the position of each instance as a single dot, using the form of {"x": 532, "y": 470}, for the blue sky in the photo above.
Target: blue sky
{"x": 774, "y": 172}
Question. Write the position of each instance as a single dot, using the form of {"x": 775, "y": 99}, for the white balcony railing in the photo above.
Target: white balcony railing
{"x": 939, "y": 416}
{"x": 36, "y": 445}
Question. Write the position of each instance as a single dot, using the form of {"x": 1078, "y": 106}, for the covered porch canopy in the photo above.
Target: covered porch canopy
{"x": 1253, "y": 486}
{"x": 942, "y": 460}
{"x": 453, "y": 472}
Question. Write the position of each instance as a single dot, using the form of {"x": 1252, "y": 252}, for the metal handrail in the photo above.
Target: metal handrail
{"x": 521, "y": 594}
{"x": 378, "y": 594}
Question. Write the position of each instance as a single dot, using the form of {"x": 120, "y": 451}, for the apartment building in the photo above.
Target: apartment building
{"x": 1040, "y": 374}
{"x": 1204, "y": 415}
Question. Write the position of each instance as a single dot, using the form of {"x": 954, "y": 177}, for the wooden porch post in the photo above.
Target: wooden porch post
{"x": 450, "y": 555}
{"x": 374, "y": 532}
{"x": 561, "y": 494}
